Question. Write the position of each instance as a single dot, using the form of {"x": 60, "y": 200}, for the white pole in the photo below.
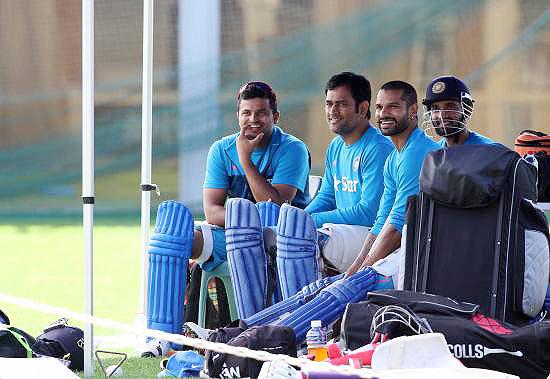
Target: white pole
{"x": 88, "y": 197}
{"x": 146, "y": 147}
{"x": 198, "y": 78}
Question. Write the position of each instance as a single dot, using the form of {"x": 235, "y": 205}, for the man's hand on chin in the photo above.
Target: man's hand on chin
{"x": 245, "y": 146}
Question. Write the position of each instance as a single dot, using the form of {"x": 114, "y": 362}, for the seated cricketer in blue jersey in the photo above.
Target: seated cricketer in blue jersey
{"x": 345, "y": 207}
{"x": 397, "y": 117}
{"x": 259, "y": 163}
{"x": 449, "y": 106}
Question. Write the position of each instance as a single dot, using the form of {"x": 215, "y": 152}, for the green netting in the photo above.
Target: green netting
{"x": 41, "y": 168}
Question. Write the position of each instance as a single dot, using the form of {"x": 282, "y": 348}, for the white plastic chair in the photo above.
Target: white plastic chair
{"x": 315, "y": 182}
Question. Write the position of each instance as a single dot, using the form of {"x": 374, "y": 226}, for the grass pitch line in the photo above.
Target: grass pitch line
{"x": 183, "y": 340}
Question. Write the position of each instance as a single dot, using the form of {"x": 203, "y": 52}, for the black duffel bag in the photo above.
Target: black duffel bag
{"x": 62, "y": 341}
{"x": 473, "y": 338}
{"x": 273, "y": 339}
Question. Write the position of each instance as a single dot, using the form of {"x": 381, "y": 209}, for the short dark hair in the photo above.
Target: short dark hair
{"x": 252, "y": 90}
{"x": 358, "y": 85}
{"x": 409, "y": 93}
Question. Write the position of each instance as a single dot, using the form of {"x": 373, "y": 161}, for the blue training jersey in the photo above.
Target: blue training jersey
{"x": 473, "y": 139}
{"x": 284, "y": 161}
{"x": 402, "y": 179}
{"x": 352, "y": 184}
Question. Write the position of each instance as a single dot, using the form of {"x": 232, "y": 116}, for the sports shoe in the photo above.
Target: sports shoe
{"x": 156, "y": 348}
{"x": 193, "y": 330}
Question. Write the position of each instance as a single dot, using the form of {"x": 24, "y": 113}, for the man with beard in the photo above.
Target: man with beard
{"x": 396, "y": 114}
{"x": 448, "y": 108}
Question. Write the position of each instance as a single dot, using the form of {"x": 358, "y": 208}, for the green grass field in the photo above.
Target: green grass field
{"x": 134, "y": 367}
{"x": 42, "y": 255}
{"x": 44, "y": 263}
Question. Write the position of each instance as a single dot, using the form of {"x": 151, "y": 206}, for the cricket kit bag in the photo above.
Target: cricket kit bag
{"x": 271, "y": 338}
{"x": 62, "y": 341}
{"x": 473, "y": 234}
{"x": 531, "y": 142}
{"x": 475, "y": 339}
{"x": 15, "y": 343}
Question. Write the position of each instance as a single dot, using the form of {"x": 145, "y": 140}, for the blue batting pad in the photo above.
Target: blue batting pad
{"x": 297, "y": 262}
{"x": 329, "y": 305}
{"x": 269, "y": 213}
{"x": 278, "y": 310}
{"x": 246, "y": 256}
{"x": 169, "y": 253}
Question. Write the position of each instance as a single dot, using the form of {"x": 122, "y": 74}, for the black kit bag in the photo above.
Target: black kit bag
{"x": 15, "y": 343}
{"x": 269, "y": 338}
{"x": 473, "y": 234}
{"x": 476, "y": 340}
{"x": 63, "y": 342}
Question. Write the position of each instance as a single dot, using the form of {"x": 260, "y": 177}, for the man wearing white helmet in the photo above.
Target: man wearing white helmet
{"x": 448, "y": 108}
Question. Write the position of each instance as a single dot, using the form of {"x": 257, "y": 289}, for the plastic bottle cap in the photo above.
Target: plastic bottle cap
{"x": 316, "y": 323}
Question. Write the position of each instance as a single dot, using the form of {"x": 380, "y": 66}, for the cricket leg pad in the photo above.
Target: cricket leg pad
{"x": 246, "y": 256}
{"x": 169, "y": 253}
{"x": 269, "y": 213}
{"x": 285, "y": 307}
{"x": 297, "y": 254}
{"x": 330, "y": 303}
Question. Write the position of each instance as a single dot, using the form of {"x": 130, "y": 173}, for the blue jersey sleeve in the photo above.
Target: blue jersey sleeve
{"x": 216, "y": 175}
{"x": 387, "y": 201}
{"x": 293, "y": 166}
{"x": 408, "y": 184}
{"x": 372, "y": 186}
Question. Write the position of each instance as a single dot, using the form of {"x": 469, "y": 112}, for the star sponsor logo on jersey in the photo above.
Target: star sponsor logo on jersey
{"x": 356, "y": 163}
{"x": 345, "y": 184}
{"x": 478, "y": 351}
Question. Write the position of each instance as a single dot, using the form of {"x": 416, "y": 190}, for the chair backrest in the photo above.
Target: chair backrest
{"x": 314, "y": 185}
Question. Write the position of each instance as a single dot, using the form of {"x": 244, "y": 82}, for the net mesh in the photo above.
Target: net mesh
{"x": 501, "y": 48}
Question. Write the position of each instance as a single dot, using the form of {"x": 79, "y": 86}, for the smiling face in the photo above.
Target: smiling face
{"x": 256, "y": 116}
{"x": 392, "y": 112}
{"x": 342, "y": 113}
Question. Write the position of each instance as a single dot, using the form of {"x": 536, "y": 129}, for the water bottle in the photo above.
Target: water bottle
{"x": 316, "y": 339}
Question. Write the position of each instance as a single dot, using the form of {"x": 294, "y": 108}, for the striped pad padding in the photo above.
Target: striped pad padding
{"x": 246, "y": 256}
{"x": 297, "y": 261}
{"x": 169, "y": 253}
{"x": 269, "y": 213}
